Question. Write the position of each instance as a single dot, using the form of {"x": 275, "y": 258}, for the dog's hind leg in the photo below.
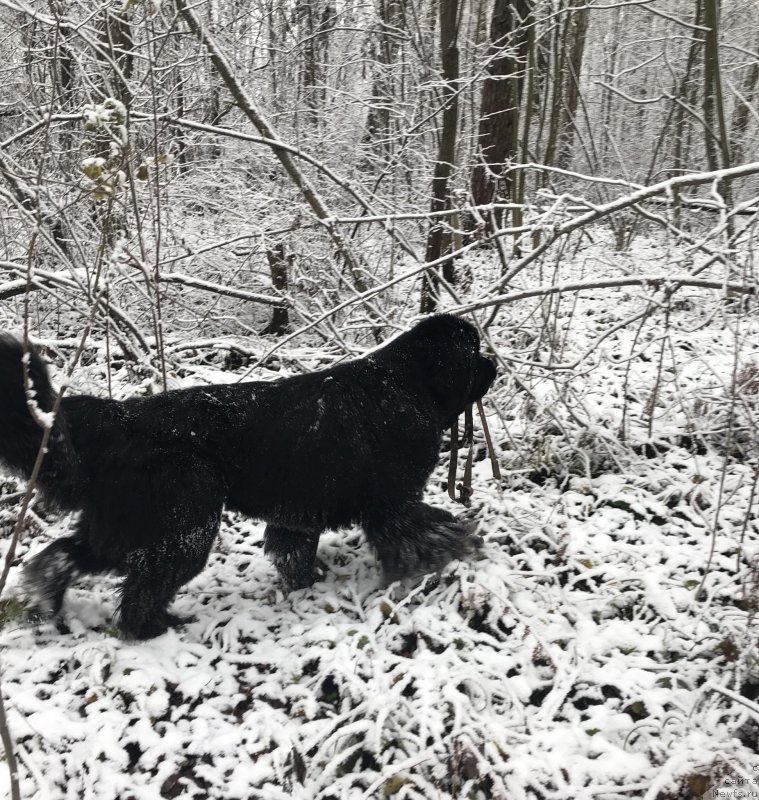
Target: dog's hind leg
{"x": 156, "y": 572}
{"x": 293, "y": 554}
{"x": 48, "y": 574}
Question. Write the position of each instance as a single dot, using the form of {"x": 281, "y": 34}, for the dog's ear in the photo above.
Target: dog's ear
{"x": 449, "y": 377}
{"x": 457, "y": 374}
{"x": 449, "y": 365}
{"x": 442, "y": 355}
{"x": 485, "y": 374}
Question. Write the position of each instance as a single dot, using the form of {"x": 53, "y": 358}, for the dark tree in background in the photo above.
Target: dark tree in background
{"x": 315, "y": 20}
{"x": 438, "y": 236}
{"x": 385, "y": 43}
{"x": 567, "y": 47}
{"x": 498, "y": 129}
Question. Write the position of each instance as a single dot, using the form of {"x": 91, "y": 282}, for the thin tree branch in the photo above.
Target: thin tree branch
{"x": 656, "y": 281}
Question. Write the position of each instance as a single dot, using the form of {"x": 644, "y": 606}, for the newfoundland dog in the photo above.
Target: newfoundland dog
{"x": 352, "y": 444}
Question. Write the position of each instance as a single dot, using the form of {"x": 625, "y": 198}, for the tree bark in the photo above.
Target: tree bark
{"x": 687, "y": 94}
{"x": 316, "y": 20}
{"x": 278, "y": 266}
{"x": 438, "y": 236}
{"x": 498, "y": 129}
{"x": 574, "y": 40}
{"x": 742, "y": 113}
{"x": 715, "y": 133}
{"x": 392, "y": 16}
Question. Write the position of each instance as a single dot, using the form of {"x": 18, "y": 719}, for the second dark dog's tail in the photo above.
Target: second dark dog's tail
{"x": 20, "y": 433}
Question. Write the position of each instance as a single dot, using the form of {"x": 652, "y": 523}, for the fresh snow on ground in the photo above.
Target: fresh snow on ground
{"x": 571, "y": 660}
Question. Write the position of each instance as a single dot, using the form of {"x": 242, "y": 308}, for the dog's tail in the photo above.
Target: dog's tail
{"x": 24, "y": 410}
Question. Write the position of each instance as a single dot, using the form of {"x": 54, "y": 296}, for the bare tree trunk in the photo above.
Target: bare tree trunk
{"x": 717, "y": 144}
{"x": 715, "y": 133}
{"x": 279, "y": 263}
{"x": 117, "y": 42}
{"x": 686, "y": 95}
{"x": 610, "y": 69}
{"x": 316, "y": 21}
{"x": 392, "y": 16}
{"x": 498, "y": 130}
{"x": 438, "y": 239}
{"x": 551, "y": 59}
{"x": 742, "y": 112}
{"x": 178, "y": 131}
{"x": 518, "y": 188}
{"x": 574, "y": 40}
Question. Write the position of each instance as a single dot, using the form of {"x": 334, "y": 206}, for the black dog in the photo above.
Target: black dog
{"x": 355, "y": 443}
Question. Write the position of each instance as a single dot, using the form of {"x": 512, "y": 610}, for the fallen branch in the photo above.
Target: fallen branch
{"x": 597, "y": 212}
{"x": 44, "y": 280}
{"x": 655, "y": 281}
{"x": 217, "y": 288}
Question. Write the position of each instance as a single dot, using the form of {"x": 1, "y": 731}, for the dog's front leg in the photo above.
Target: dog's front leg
{"x": 418, "y": 539}
{"x": 293, "y": 553}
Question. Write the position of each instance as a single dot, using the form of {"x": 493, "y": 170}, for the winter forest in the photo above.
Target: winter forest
{"x": 210, "y": 192}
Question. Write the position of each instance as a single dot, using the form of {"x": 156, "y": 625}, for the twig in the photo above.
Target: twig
{"x": 744, "y": 701}
{"x": 491, "y": 451}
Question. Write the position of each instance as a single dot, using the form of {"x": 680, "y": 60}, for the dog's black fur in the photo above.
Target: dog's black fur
{"x": 355, "y": 443}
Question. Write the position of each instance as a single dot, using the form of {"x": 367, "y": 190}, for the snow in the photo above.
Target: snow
{"x": 571, "y": 659}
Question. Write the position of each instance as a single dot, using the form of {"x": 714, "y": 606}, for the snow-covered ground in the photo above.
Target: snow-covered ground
{"x": 571, "y": 660}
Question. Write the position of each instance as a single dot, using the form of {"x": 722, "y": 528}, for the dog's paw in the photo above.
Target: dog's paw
{"x": 37, "y": 615}
{"x": 300, "y": 579}
{"x": 449, "y": 541}
{"x": 40, "y": 605}
{"x": 295, "y": 573}
{"x": 465, "y": 532}
{"x": 441, "y": 541}
{"x": 154, "y": 626}
{"x": 177, "y": 620}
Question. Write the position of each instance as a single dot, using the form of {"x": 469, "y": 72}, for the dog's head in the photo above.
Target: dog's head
{"x": 444, "y": 353}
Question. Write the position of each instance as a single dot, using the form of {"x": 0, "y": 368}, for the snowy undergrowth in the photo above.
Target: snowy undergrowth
{"x": 572, "y": 659}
